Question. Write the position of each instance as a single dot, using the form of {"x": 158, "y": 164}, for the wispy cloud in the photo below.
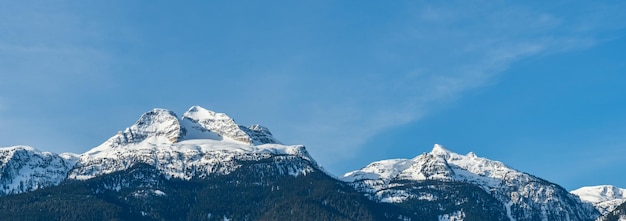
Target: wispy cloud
{"x": 331, "y": 84}
{"x": 452, "y": 49}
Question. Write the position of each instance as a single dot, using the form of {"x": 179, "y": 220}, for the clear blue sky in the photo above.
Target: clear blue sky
{"x": 537, "y": 85}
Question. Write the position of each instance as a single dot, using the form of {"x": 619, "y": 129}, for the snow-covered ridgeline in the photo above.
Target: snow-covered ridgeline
{"x": 200, "y": 143}
{"x": 186, "y": 159}
{"x": 604, "y": 197}
{"x": 24, "y": 168}
{"x": 202, "y": 121}
{"x": 521, "y": 193}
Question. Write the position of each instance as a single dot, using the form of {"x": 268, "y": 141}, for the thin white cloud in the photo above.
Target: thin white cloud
{"x": 469, "y": 47}
{"x": 432, "y": 56}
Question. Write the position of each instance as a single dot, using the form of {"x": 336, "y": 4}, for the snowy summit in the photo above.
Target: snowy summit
{"x": 605, "y": 197}
{"x": 199, "y": 144}
{"x": 384, "y": 181}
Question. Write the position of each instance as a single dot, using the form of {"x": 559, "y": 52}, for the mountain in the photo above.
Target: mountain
{"x": 618, "y": 214}
{"x": 523, "y": 196}
{"x": 203, "y": 143}
{"x": 204, "y": 166}
{"x": 24, "y": 168}
{"x": 605, "y": 197}
{"x": 255, "y": 191}
{"x": 200, "y": 143}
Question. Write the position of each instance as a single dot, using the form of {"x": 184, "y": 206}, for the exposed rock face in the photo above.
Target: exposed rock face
{"x": 24, "y": 168}
{"x": 259, "y": 134}
{"x": 219, "y": 123}
{"x": 157, "y": 123}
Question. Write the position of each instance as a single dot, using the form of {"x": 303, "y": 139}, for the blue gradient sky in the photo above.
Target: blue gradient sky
{"x": 539, "y": 86}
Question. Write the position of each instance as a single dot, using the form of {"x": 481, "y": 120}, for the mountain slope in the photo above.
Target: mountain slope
{"x": 200, "y": 143}
{"x": 206, "y": 143}
{"x": 524, "y": 197}
{"x": 24, "y": 168}
{"x": 204, "y": 166}
{"x": 618, "y": 214}
{"x": 605, "y": 197}
{"x": 252, "y": 192}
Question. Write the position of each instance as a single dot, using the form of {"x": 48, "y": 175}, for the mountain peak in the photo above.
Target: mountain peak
{"x": 390, "y": 181}
{"x": 157, "y": 123}
{"x": 203, "y": 121}
{"x": 197, "y": 112}
{"x": 596, "y": 194}
{"x": 439, "y": 150}
{"x": 604, "y": 197}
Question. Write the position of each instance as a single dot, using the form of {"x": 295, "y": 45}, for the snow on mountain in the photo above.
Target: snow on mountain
{"x": 202, "y": 120}
{"x": 259, "y": 134}
{"x": 199, "y": 144}
{"x": 618, "y": 214}
{"x": 155, "y": 123}
{"x": 605, "y": 197}
{"x": 203, "y": 142}
{"x": 186, "y": 159}
{"x": 520, "y": 193}
{"x": 24, "y": 168}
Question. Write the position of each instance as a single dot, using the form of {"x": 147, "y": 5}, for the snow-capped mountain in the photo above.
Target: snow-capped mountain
{"x": 211, "y": 151}
{"x": 524, "y": 197}
{"x": 604, "y": 197}
{"x": 24, "y": 168}
{"x": 199, "y": 144}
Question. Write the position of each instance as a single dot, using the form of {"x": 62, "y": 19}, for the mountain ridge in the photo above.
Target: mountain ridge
{"x": 605, "y": 198}
{"x": 203, "y": 143}
{"x": 521, "y": 194}
{"x": 200, "y": 142}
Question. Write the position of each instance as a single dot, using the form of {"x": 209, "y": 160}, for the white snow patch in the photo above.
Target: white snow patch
{"x": 159, "y": 193}
{"x": 507, "y": 206}
{"x": 456, "y": 216}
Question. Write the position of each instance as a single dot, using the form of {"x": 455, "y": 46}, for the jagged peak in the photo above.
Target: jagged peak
{"x": 207, "y": 121}
{"x": 443, "y": 164}
{"x": 157, "y": 123}
{"x": 159, "y": 111}
{"x": 196, "y": 113}
{"x": 260, "y": 134}
{"x": 471, "y": 155}
{"x": 164, "y": 126}
{"x": 154, "y": 117}
{"x": 440, "y": 150}
{"x": 259, "y": 128}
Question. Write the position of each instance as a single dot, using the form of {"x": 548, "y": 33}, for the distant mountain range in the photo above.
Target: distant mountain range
{"x": 204, "y": 166}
